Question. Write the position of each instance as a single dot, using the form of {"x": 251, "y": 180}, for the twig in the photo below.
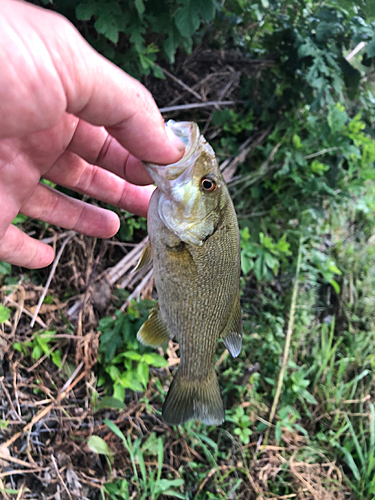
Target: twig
{"x": 180, "y": 82}
{"x": 139, "y": 289}
{"x": 57, "y": 237}
{"x": 10, "y": 400}
{"x": 25, "y": 311}
{"x": 59, "y": 476}
{"x": 229, "y": 166}
{"x": 21, "y": 471}
{"x": 126, "y": 263}
{"x": 322, "y": 152}
{"x": 51, "y": 274}
{"x": 68, "y": 386}
{"x": 20, "y": 492}
{"x": 234, "y": 78}
{"x": 181, "y": 107}
{"x": 287, "y": 341}
{"x": 356, "y": 50}
{"x": 17, "y": 461}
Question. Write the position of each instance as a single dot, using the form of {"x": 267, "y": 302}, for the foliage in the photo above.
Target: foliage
{"x": 129, "y": 368}
{"x": 148, "y": 482}
{"x": 133, "y": 34}
{"x": 4, "y": 313}
{"x": 41, "y": 344}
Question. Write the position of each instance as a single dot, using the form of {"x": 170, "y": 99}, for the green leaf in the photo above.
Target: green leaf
{"x": 56, "y": 358}
{"x": 337, "y": 118}
{"x": 107, "y": 25}
{"x": 307, "y": 49}
{"x": 129, "y": 380}
{"x": 151, "y": 445}
{"x": 170, "y": 45}
{"x": 187, "y": 19}
{"x": 4, "y": 313}
{"x": 110, "y": 402}
{"x": 335, "y": 286}
{"x": 37, "y": 352}
{"x": 143, "y": 373}
{"x": 165, "y": 484}
{"x": 118, "y": 391}
{"x": 5, "y": 268}
{"x": 98, "y": 445}
{"x": 349, "y": 460}
{"x": 85, "y": 11}
{"x": 206, "y": 8}
{"x": 270, "y": 261}
{"x": 140, "y": 6}
{"x": 370, "y": 48}
{"x": 154, "y": 359}
{"x": 115, "y": 429}
{"x": 132, "y": 355}
{"x": 247, "y": 264}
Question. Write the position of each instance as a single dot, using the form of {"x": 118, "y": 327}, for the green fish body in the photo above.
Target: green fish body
{"x": 195, "y": 249}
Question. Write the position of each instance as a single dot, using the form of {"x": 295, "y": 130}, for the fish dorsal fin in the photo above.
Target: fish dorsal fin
{"x": 145, "y": 258}
{"x": 154, "y": 332}
{"x": 232, "y": 333}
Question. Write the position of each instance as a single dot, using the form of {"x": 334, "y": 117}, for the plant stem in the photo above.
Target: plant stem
{"x": 287, "y": 342}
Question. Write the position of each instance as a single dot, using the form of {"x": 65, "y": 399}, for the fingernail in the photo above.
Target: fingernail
{"x": 177, "y": 143}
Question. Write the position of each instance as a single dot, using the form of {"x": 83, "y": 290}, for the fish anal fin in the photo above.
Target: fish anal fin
{"x": 232, "y": 333}
{"x": 154, "y": 332}
{"x": 200, "y": 399}
{"x": 145, "y": 258}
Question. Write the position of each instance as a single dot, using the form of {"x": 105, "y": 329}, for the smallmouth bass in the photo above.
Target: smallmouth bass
{"x": 195, "y": 248}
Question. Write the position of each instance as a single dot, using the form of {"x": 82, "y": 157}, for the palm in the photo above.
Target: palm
{"x": 70, "y": 116}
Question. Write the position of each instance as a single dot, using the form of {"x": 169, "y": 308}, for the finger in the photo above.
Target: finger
{"x": 19, "y": 249}
{"x": 97, "y": 147}
{"x": 73, "y": 172}
{"x": 61, "y": 72}
{"x": 56, "y": 208}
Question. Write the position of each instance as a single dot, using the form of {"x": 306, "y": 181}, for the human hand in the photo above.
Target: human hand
{"x": 70, "y": 116}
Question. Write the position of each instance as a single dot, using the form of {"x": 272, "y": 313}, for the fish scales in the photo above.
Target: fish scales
{"x": 197, "y": 282}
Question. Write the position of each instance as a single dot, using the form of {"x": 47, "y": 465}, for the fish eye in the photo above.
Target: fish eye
{"x": 208, "y": 184}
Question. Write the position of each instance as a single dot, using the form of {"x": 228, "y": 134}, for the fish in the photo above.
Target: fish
{"x": 194, "y": 245}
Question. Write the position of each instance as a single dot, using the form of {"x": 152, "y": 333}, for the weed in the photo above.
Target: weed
{"x": 41, "y": 344}
{"x": 149, "y": 483}
{"x": 130, "y": 368}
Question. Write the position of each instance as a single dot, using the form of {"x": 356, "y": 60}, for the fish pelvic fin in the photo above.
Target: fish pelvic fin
{"x": 232, "y": 333}
{"x": 144, "y": 259}
{"x": 200, "y": 399}
{"x": 154, "y": 332}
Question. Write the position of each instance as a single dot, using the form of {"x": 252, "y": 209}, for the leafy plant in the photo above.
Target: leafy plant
{"x": 4, "y": 313}
{"x": 129, "y": 369}
{"x": 358, "y": 449}
{"x": 42, "y": 343}
{"x": 243, "y": 424}
{"x": 148, "y": 482}
{"x": 264, "y": 257}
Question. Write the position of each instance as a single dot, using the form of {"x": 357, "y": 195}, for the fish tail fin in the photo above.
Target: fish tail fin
{"x": 200, "y": 399}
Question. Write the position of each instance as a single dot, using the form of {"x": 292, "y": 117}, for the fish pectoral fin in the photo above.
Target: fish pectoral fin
{"x": 232, "y": 333}
{"x": 200, "y": 399}
{"x": 145, "y": 258}
{"x": 154, "y": 332}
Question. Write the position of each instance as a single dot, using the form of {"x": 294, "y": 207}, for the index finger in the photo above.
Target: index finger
{"x": 60, "y": 73}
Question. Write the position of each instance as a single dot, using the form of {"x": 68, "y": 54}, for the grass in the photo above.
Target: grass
{"x": 311, "y": 436}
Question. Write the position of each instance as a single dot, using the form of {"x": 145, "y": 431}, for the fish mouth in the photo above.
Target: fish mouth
{"x": 188, "y": 133}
